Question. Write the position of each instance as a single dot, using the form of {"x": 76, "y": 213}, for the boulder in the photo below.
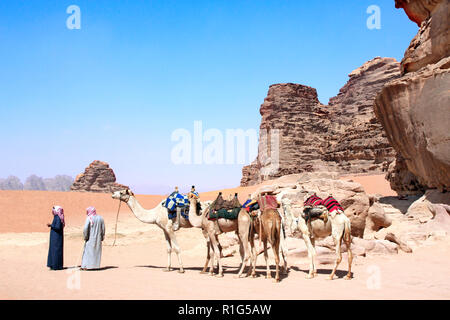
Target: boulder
{"x": 376, "y": 220}
{"x": 426, "y": 219}
{"x": 403, "y": 246}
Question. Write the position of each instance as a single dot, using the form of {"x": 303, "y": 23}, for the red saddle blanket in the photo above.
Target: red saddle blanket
{"x": 267, "y": 202}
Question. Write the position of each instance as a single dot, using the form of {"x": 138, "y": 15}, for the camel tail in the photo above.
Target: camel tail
{"x": 274, "y": 229}
{"x": 347, "y": 231}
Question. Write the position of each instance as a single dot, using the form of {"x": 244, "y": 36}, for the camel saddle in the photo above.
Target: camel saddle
{"x": 226, "y": 209}
{"x": 268, "y": 202}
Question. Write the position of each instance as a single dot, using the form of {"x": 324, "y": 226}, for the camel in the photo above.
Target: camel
{"x": 159, "y": 216}
{"x": 337, "y": 225}
{"x": 269, "y": 228}
{"x": 211, "y": 230}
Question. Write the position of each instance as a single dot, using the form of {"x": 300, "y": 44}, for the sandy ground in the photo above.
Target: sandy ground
{"x": 133, "y": 269}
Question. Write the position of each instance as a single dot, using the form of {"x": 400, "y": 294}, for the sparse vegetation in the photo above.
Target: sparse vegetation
{"x": 33, "y": 182}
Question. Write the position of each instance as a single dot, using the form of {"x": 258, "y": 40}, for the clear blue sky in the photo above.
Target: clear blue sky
{"x": 137, "y": 70}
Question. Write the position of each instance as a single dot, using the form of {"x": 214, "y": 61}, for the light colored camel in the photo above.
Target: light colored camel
{"x": 337, "y": 225}
{"x": 211, "y": 232}
{"x": 159, "y": 216}
{"x": 269, "y": 229}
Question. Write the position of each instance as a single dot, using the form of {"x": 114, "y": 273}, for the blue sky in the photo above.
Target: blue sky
{"x": 117, "y": 88}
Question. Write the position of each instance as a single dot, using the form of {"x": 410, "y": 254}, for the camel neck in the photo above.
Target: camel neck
{"x": 195, "y": 221}
{"x": 146, "y": 216}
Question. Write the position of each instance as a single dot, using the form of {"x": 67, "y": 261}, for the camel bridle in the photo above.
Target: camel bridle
{"x": 126, "y": 198}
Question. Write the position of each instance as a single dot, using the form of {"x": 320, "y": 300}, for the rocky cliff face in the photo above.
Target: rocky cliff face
{"x": 98, "y": 177}
{"x": 414, "y": 109}
{"x": 343, "y": 136}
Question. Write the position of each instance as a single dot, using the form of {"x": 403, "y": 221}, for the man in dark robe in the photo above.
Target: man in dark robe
{"x": 55, "y": 251}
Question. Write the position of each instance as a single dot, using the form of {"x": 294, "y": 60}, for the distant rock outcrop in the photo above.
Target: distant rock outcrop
{"x": 342, "y": 137}
{"x": 414, "y": 109}
{"x": 98, "y": 177}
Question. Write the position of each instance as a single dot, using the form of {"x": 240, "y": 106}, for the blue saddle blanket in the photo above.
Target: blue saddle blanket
{"x": 178, "y": 200}
{"x": 184, "y": 213}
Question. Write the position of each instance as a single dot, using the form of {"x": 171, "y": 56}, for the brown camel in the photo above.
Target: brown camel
{"x": 268, "y": 226}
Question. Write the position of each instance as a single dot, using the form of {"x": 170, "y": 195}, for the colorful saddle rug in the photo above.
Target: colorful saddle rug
{"x": 313, "y": 201}
{"x": 230, "y": 214}
{"x": 268, "y": 202}
{"x": 176, "y": 200}
{"x": 331, "y": 204}
{"x": 250, "y": 207}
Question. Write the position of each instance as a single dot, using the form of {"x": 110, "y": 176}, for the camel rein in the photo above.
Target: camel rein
{"x": 115, "y": 228}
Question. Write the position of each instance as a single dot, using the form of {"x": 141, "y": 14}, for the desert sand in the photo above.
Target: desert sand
{"x": 133, "y": 269}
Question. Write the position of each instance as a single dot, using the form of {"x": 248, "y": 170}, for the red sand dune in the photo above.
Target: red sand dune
{"x": 375, "y": 184}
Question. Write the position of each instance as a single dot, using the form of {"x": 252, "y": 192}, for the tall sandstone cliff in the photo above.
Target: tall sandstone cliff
{"x": 415, "y": 108}
{"x": 343, "y": 136}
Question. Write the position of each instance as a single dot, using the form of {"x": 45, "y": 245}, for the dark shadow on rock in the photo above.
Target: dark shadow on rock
{"x": 401, "y": 205}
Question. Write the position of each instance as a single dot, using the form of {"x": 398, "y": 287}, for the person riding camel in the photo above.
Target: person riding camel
{"x": 193, "y": 193}
{"x": 176, "y": 194}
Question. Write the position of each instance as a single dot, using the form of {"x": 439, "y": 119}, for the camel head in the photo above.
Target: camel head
{"x": 123, "y": 195}
{"x": 192, "y": 197}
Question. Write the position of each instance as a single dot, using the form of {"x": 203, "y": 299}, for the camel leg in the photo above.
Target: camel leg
{"x": 245, "y": 260}
{"x": 208, "y": 256}
{"x": 311, "y": 256}
{"x": 169, "y": 252}
{"x": 177, "y": 250}
{"x": 276, "y": 253}
{"x": 350, "y": 259}
{"x": 348, "y": 243}
{"x": 245, "y": 247}
{"x": 212, "y": 262}
{"x": 284, "y": 251}
{"x": 254, "y": 256}
{"x": 219, "y": 259}
{"x": 313, "y": 243}
{"x": 266, "y": 257}
{"x": 216, "y": 248}
{"x": 338, "y": 241}
{"x": 241, "y": 251}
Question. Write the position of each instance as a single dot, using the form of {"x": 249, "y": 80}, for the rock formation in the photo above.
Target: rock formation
{"x": 342, "y": 137}
{"x": 98, "y": 177}
{"x": 414, "y": 109}
{"x": 417, "y": 10}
